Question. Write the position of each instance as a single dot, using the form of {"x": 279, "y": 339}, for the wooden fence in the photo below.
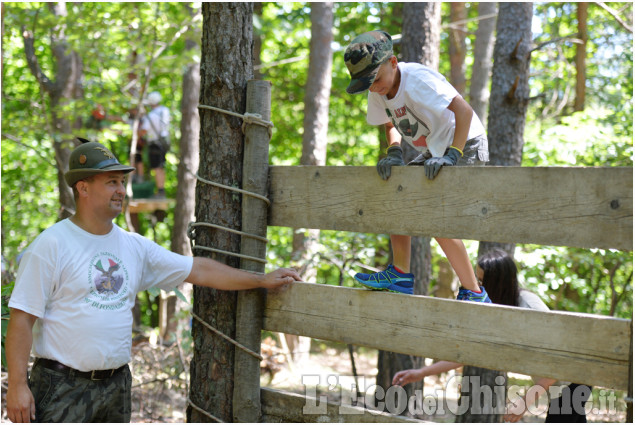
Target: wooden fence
{"x": 564, "y": 206}
{"x": 584, "y": 207}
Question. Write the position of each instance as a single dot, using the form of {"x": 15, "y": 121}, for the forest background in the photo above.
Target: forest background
{"x": 115, "y": 53}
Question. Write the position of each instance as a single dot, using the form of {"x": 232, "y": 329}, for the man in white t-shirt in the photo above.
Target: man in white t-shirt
{"x": 417, "y": 105}
{"x": 73, "y": 298}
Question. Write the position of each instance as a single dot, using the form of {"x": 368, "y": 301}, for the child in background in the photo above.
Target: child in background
{"x": 497, "y": 271}
{"x": 418, "y": 105}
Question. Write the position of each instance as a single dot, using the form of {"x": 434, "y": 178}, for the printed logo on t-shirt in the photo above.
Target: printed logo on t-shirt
{"x": 108, "y": 282}
{"x": 408, "y": 127}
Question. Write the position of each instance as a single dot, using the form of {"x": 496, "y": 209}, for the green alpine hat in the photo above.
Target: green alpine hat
{"x": 364, "y": 56}
{"x": 89, "y": 159}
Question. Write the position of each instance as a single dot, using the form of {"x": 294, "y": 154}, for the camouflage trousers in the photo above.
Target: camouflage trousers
{"x": 62, "y": 397}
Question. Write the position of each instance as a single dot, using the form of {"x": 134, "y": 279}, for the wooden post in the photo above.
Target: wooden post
{"x": 246, "y": 402}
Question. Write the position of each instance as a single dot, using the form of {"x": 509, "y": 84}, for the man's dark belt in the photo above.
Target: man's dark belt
{"x": 94, "y": 375}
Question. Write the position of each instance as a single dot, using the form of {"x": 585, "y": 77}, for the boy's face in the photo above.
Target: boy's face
{"x": 386, "y": 82}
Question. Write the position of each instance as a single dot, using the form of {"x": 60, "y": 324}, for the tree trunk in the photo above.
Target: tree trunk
{"x": 316, "y": 118}
{"x": 458, "y": 31}
{"x": 508, "y": 109}
{"x": 421, "y": 34}
{"x": 226, "y": 66}
{"x": 185, "y": 193}
{"x": 510, "y": 84}
{"x": 258, "y": 37}
{"x": 580, "y": 57}
{"x": 422, "y": 26}
{"x": 482, "y": 67}
{"x": 66, "y": 86}
{"x": 487, "y": 392}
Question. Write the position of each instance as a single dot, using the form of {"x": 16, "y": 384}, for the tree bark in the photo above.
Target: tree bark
{"x": 458, "y": 31}
{"x": 421, "y": 25}
{"x": 482, "y": 67}
{"x": 508, "y": 109}
{"x": 226, "y": 66}
{"x": 580, "y": 57}
{"x": 510, "y": 84}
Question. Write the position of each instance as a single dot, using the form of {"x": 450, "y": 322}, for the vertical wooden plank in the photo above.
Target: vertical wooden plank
{"x": 249, "y": 314}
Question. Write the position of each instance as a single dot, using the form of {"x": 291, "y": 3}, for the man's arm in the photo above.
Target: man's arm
{"x": 211, "y": 273}
{"x": 20, "y": 403}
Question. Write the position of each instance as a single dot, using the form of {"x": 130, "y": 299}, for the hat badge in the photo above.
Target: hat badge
{"x": 82, "y": 159}
{"x": 105, "y": 151}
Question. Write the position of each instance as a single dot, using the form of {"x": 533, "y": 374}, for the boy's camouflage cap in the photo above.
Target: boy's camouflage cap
{"x": 89, "y": 159}
{"x": 363, "y": 57}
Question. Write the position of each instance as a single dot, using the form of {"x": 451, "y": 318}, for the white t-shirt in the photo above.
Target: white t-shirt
{"x": 156, "y": 123}
{"x": 419, "y": 110}
{"x": 82, "y": 288}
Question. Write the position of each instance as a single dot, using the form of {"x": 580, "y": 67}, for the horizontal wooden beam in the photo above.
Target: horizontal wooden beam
{"x": 565, "y": 206}
{"x": 283, "y": 406}
{"x": 574, "y": 347}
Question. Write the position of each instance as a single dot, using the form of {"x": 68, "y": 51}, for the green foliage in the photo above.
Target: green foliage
{"x": 590, "y": 281}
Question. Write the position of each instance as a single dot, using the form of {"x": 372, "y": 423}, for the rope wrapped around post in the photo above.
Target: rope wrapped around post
{"x": 248, "y": 119}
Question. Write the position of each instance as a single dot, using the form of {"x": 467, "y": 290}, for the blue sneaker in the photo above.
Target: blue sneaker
{"x": 388, "y": 280}
{"x": 467, "y": 295}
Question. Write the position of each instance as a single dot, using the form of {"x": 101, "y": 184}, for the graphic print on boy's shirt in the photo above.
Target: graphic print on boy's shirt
{"x": 409, "y": 127}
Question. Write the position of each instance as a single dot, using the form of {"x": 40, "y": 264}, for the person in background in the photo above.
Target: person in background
{"x": 497, "y": 271}
{"x": 155, "y": 130}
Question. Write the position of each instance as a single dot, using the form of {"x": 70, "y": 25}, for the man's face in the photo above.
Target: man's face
{"x": 106, "y": 193}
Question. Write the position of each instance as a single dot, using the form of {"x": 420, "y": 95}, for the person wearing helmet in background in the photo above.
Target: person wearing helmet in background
{"x": 155, "y": 129}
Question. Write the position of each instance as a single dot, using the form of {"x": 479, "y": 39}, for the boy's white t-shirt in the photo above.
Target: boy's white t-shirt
{"x": 419, "y": 110}
{"x": 82, "y": 288}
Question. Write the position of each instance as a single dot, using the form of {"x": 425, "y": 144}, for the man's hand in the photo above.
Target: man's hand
{"x": 20, "y": 403}
{"x": 280, "y": 277}
{"x": 394, "y": 157}
{"x": 433, "y": 165}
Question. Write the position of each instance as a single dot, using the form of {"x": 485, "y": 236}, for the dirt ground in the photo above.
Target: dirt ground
{"x": 160, "y": 384}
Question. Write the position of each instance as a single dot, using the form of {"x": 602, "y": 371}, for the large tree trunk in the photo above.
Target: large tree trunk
{"x": 421, "y": 34}
{"x": 508, "y": 109}
{"x": 580, "y": 57}
{"x": 422, "y": 26}
{"x": 458, "y": 32}
{"x": 66, "y": 86}
{"x": 482, "y": 67}
{"x": 226, "y": 66}
{"x": 316, "y": 119}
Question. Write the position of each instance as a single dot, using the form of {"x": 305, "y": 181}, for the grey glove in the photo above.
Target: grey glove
{"x": 433, "y": 165}
{"x": 394, "y": 156}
